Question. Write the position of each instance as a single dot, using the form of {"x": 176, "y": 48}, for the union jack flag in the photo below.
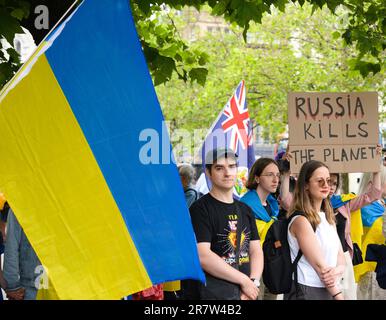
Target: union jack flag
{"x": 237, "y": 119}
{"x": 233, "y": 129}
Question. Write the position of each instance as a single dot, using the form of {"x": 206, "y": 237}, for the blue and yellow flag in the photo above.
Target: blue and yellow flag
{"x": 370, "y": 230}
{"x": 339, "y": 200}
{"x": 104, "y": 222}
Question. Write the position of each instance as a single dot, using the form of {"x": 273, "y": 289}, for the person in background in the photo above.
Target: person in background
{"x": 384, "y": 156}
{"x": 2, "y": 281}
{"x": 20, "y": 263}
{"x": 187, "y": 172}
{"x": 3, "y": 284}
{"x": 384, "y": 225}
{"x": 314, "y": 233}
{"x": 217, "y": 218}
{"x": 3, "y": 219}
{"x": 344, "y": 205}
{"x": 177, "y": 290}
{"x": 373, "y": 217}
{"x": 4, "y": 207}
{"x": 287, "y": 183}
{"x": 263, "y": 181}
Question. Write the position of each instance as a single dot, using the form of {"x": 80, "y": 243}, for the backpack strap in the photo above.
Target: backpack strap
{"x": 195, "y": 192}
{"x": 295, "y": 269}
{"x": 238, "y": 234}
{"x": 300, "y": 253}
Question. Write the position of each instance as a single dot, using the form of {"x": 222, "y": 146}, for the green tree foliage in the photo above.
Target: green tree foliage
{"x": 292, "y": 51}
{"x": 363, "y": 27}
{"x": 11, "y": 14}
{"x": 17, "y": 13}
{"x": 164, "y": 49}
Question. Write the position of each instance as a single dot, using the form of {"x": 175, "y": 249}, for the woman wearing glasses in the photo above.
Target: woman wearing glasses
{"x": 314, "y": 233}
{"x": 263, "y": 181}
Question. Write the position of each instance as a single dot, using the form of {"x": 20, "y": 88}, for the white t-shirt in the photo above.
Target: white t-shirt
{"x": 329, "y": 243}
{"x": 201, "y": 185}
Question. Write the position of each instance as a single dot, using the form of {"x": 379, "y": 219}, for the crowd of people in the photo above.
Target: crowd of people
{"x": 323, "y": 231}
{"x": 326, "y": 232}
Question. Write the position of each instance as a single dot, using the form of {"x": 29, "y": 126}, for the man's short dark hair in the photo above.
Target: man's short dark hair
{"x": 212, "y": 156}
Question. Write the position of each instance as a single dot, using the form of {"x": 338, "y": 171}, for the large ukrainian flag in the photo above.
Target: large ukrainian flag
{"x": 103, "y": 223}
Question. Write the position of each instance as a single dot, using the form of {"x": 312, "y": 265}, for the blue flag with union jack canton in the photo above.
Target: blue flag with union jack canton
{"x": 233, "y": 129}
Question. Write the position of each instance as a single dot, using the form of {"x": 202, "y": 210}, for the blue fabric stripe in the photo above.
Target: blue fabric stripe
{"x": 105, "y": 78}
{"x": 371, "y": 212}
{"x": 336, "y": 201}
{"x": 252, "y": 199}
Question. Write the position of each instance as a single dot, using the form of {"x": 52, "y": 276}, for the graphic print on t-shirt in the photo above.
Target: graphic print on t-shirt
{"x": 229, "y": 242}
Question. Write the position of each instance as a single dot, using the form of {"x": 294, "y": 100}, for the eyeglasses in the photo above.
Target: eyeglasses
{"x": 323, "y": 182}
{"x": 271, "y": 175}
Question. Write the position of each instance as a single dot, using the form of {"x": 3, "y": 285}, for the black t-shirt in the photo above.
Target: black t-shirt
{"x": 340, "y": 228}
{"x": 216, "y": 222}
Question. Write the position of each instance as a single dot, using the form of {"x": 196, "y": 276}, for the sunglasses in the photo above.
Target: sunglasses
{"x": 323, "y": 182}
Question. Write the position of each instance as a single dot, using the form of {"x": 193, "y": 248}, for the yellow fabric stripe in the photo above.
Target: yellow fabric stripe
{"x": 48, "y": 293}
{"x": 356, "y": 227}
{"x": 262, "y": 228}
{"x": 172, "y": 286}
{"x": 59, "y": 195}
{"x": 373, "y": 235}
{"x": 348, "y": 196}
{"x": 2, "y": 201}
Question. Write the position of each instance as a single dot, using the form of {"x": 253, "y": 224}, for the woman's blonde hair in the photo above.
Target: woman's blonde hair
{"x": 302, "y": 200}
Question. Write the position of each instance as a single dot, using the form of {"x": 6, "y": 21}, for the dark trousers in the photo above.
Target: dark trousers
{"x": 302, "y": 292}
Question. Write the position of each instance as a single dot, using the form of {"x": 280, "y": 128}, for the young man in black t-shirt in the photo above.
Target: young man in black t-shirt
{"x": 214, "y": 219}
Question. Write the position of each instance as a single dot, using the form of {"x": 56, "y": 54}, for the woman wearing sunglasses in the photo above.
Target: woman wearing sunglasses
{"x": 314, "y": 233}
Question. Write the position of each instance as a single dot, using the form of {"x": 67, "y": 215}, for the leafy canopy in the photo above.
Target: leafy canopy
{"x": 291, "y": 51}
{"x": 363, "y": 27}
